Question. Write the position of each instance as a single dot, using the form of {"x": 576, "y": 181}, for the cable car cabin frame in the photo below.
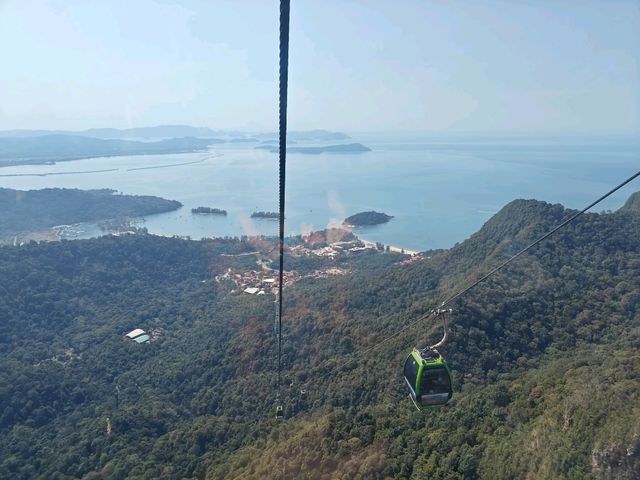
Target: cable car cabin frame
{"x": 428, "y": 377}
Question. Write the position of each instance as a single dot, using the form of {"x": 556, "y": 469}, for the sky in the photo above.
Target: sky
{"x": 481, "y": 66}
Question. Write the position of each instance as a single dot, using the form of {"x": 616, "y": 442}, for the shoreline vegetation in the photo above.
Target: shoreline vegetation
{"x": 269, "y": 215}
{"x": 208, "y": 211}
{"x": 37, "y": 210}
{"x": 369, "y": 218}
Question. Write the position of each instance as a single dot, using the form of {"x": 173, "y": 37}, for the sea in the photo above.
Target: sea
{"x": 440, "y": 190}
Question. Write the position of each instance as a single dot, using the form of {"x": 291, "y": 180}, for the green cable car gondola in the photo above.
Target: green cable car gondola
{"x": 428, "y": 377}
{"x": 427, "y": 374}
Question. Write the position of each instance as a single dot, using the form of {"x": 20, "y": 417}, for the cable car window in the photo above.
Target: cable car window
{"x": 435, "y": 381}
{"x": 411, "y": 370}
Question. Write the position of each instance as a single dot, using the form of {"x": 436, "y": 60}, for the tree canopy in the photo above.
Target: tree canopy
{"x": 544, "y": 358}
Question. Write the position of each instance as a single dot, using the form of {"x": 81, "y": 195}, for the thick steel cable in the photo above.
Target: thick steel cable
{"x": 543, "y": 237}
{"x": 283, "y": 84}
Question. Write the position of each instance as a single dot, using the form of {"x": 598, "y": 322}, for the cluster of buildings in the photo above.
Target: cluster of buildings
{"x": 261, "y": 282}
{"x": 332, "y": 249}
{"x": 256, "y": 282}
{"x": 414, "y": 257}
{"x": 328, "y": 272}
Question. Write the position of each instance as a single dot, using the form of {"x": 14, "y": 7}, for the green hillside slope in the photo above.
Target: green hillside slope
{"x": 29, "y": 210}
{"x": 544, "y": 357}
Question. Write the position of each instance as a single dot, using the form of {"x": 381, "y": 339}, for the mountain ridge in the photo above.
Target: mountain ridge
{"x": 632, "y": 205}
{"x": 158, "y": 131}
{"x": 171, "y": 131}
{"x": 56, "y": 148}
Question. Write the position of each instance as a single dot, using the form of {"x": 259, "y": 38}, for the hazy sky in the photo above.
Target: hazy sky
{"x": 371, "y": 65}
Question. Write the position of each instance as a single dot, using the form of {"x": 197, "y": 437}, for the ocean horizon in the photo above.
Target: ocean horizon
{"x": 439, "y": 190}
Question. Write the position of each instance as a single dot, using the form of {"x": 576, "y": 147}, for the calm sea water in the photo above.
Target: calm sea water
{"x": 438, "y": 190}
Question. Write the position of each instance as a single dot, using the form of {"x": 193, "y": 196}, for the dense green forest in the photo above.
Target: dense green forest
{"x": 262, "y": 214}
{"x": 30, "y": 210}
{"x": 209, "y": 210}
{"x": 544, "y": 357}
{"x": 367, "y": 218}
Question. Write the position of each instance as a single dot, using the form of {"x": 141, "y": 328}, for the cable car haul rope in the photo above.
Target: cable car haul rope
{"x": 426, "y": 373}
{"x": 283, "y": 84}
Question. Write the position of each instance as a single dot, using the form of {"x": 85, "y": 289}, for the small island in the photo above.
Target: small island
{"x": 344, "y": 148}
{"x": 271, "y": 215}
{"x": 208, "y": 211}
{"x": 366, "y": 218}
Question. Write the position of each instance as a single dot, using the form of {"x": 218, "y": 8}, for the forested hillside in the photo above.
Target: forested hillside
{"x": 544, "y": 356}
{"x": 30, "y": 210}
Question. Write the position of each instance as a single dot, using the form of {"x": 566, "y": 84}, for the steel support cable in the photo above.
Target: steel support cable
{"x": 543, "y": 237}
{"x": 282, "y": 151}
{"x": 434, "y": 311}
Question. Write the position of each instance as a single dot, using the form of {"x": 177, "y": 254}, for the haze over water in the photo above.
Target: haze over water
{"x": 439, "y": 190}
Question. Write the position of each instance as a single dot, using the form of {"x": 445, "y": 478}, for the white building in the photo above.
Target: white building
{"x": 135, "y": 333}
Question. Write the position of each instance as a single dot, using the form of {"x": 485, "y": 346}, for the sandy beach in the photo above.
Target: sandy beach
{"x": 392, "y": 248}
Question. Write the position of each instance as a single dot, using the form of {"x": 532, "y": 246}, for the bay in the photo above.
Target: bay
{"x": 439, "y": 190}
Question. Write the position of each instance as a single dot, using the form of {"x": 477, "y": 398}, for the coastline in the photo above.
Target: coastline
{"x": 392, "y": 248}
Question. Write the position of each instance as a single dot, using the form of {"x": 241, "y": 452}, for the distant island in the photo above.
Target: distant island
{"x": 49, "y": 149}
{"x": 308, "y": 136}
{"x": 162, "y": 132}
{"x": 270, "y": 143}
{"x": 208, "y": 210}
{"x": 272, "y": 215}
{"x": 35, "y": 147}
{"x": 366, "y": 218}
{"x": 157, "y": 132}
{"x": 33, "y": 210}
{"x": 344, "y": 148}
